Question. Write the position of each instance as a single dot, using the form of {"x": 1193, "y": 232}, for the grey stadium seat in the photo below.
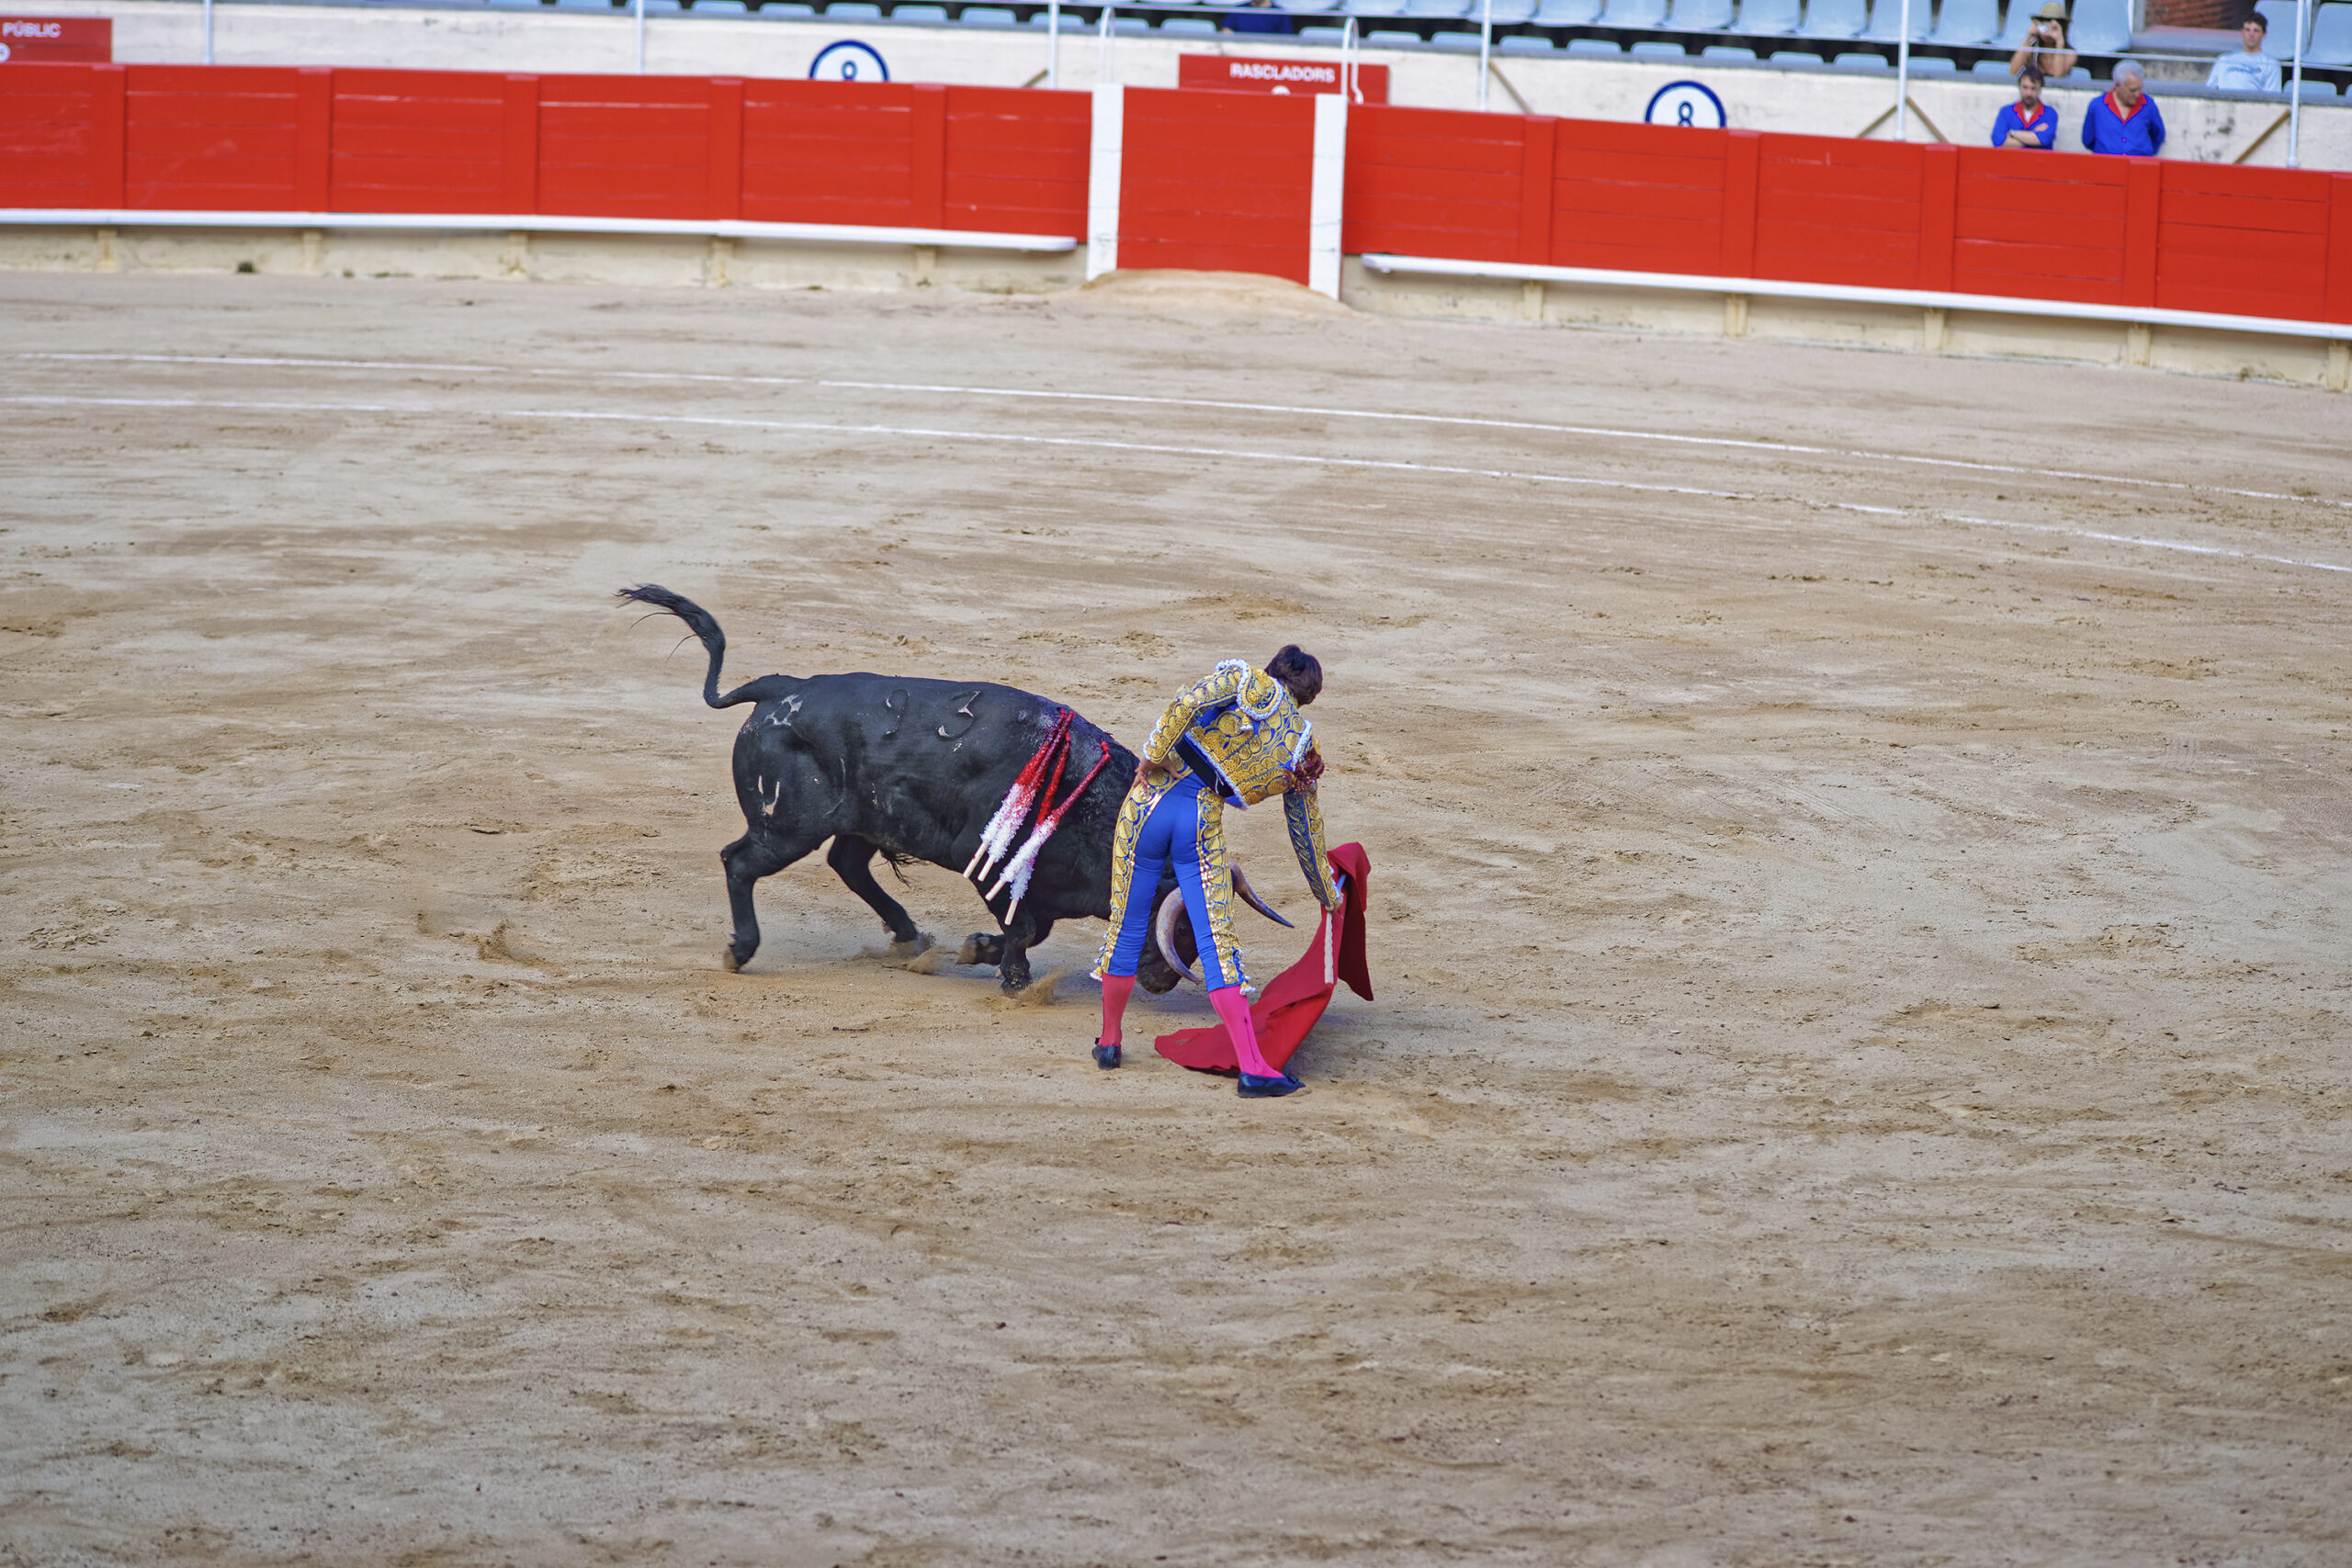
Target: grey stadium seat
{"x": 1633, "y": 13}
{"x": 1466, "y": 43}
{"x": 1526, "y": 43}
{"x": 1438, "y": 8}
{"x": 1794, "y": 57}
{"x": 920, "y": 14}
{"x": 988, "y": 17}
{"x": 1886, "y": 20}
{"x": 1700, "y": 15}
{"x": 1594, "y": 46}
{"x": 1658, "y": 49}
{"x": 1932, "y": 65}
{"x": 1391, "y": 37}
{"x": 1727, "y": 52}
{"x": 1769, "y": 18}
{"x": 2331, "y": 37}
{"x": 1567, "y": 13}
{"x": 1376, "y": 8}
{"x": 1994, "y": 70}
{"x": 852, "y": 11}
{"x": 2019, "y": 17}
{"x": 1308, "y": 5}
{"x": 1834, "y": 18}
{"x": 2101, "y": 27}
{"x": 2278, "y": 39}
{"x": 1306, "y": 35}
{"x": 1967, "y": 22}
{"x": 1858, "y": 60}
{"x": 1183, "y": 27}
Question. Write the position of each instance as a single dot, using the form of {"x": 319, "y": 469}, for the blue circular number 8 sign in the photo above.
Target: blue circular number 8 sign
{"x": 848, "y": 61}
{"x": 1686, "y": 103}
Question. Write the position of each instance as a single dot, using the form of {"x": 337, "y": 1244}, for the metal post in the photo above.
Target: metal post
{"x": 2295, "y": 103}
{"x": 1486, "y": 47}
{"x": 1348, "y": 63}
{"x": 208, "y": 32}
{"x": 641, "y": 36}
{"x": 1106, "y": 69}
{"x": 1903, "y": 75}
{"x": 1054, "y": 44}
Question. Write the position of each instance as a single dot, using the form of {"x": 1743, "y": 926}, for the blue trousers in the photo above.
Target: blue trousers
{"x": 1172, "y": 832}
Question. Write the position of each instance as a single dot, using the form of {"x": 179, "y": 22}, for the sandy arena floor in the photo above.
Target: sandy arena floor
{"x": 1861, "y": 921}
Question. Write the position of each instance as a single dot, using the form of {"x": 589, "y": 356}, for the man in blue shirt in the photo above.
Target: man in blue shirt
{"x": 2124, "y": 120}
{"x": 2029, "y": 122}
{"x": 2249, "y": 69}
{"x": 1258, "y": 17}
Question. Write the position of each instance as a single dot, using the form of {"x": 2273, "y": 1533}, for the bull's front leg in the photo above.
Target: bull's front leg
{"x": 1012, "y": 967}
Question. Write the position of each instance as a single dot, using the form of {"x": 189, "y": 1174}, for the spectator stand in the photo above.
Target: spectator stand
{"x": 1968, "y": 36}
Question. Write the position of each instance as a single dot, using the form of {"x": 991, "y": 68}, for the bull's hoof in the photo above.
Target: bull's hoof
{"x": 1013, "y": 984}
{"x": 981, "y": 949}
{"x": 912, "y": 947}
{"x": 734, "y": 964}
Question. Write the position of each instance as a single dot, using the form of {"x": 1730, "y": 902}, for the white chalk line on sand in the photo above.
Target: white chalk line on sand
{"x": 1607, "y": 432}
{"x": 1098, "y": 443}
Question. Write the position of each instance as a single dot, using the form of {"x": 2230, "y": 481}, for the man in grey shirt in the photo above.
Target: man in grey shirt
{"x": 2249, "y": 69}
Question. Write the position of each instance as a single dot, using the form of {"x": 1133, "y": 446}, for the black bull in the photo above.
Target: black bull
{"x": 912, "y": 770}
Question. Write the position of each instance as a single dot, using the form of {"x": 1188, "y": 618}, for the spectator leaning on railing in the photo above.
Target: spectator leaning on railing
{"x": 2123, "y": 119}
{"x": 2249, "y": 69}
{"x": 2029, "y": 122}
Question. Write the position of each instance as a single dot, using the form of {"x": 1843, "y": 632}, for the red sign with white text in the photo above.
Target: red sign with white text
{"x": 1233, "y": 73}
{"x": 49, "y": 39}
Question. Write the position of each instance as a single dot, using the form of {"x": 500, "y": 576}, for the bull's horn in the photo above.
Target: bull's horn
{"x": 1163, "y": 927}
{"x": 1249, "y": 897}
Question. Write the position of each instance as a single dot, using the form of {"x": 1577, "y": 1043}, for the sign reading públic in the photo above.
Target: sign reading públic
{"x": 1233, "y": 73}
{"x": 26, "y": 41}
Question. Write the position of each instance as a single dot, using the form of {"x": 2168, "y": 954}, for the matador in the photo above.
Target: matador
{"x": 1237, "y": 738}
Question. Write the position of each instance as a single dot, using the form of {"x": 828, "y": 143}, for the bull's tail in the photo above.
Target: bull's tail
{"x": 705, "y": 626}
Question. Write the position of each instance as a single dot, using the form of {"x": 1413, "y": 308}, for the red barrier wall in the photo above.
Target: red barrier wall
{"x": 1826, "y": 210}
{"x": 251, "y": 139}
{"x": 1215, "y": 180}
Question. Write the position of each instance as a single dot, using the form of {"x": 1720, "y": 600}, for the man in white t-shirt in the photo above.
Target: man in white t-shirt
{"x": 2249, "y": 69}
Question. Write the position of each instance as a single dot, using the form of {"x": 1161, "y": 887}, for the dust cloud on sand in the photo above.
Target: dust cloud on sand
{"x": 1860, "y": 1072}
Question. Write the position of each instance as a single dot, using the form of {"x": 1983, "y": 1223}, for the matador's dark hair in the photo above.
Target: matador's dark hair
{"x": 1297, "y": 671}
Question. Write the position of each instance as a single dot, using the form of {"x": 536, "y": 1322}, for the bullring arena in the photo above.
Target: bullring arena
{"x": 1859, "y": 1072}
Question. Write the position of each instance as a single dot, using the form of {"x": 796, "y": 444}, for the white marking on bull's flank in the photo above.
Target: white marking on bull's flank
{"x": 1610, "y": 431}
{"x": 1394, "y": 465}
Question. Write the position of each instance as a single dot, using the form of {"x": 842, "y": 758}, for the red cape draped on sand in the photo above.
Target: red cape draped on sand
{"x": 1286, "y": 1010}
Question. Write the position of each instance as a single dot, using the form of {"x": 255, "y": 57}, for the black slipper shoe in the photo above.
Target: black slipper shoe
{"x": 1105, "y": 1056}
{"x": 1255, "y": 1088}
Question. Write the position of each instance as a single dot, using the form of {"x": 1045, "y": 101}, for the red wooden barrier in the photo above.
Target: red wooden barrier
{"x": 1217, "y": 181}
{"x": 1210, "y": 179}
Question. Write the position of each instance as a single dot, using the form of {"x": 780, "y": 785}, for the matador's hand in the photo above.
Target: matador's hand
{"x": 1307, "y": 770}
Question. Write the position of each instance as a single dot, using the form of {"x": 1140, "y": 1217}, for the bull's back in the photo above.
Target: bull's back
{"x": 918, "y": 765}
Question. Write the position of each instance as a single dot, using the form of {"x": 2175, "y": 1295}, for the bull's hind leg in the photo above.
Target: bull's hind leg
{"x": 852, "y": 859}
{"x": 748, "y": 858}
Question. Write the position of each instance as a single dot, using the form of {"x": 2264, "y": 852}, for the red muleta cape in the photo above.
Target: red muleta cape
{"x": 1287, "y": 1009}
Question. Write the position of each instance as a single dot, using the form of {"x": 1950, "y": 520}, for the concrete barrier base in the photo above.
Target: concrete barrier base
{"x": 685, "y": 261}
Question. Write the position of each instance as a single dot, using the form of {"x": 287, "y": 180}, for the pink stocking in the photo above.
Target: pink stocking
{"x": 1116, "y": 988}
{"x": 1234, "y": 1008}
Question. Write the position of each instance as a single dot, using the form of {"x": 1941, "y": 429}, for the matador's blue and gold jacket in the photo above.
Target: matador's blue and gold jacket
{"x": 1240, "y": 734}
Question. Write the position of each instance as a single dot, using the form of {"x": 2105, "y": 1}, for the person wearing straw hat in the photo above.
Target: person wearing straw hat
{"x": 2045, "y": 43}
